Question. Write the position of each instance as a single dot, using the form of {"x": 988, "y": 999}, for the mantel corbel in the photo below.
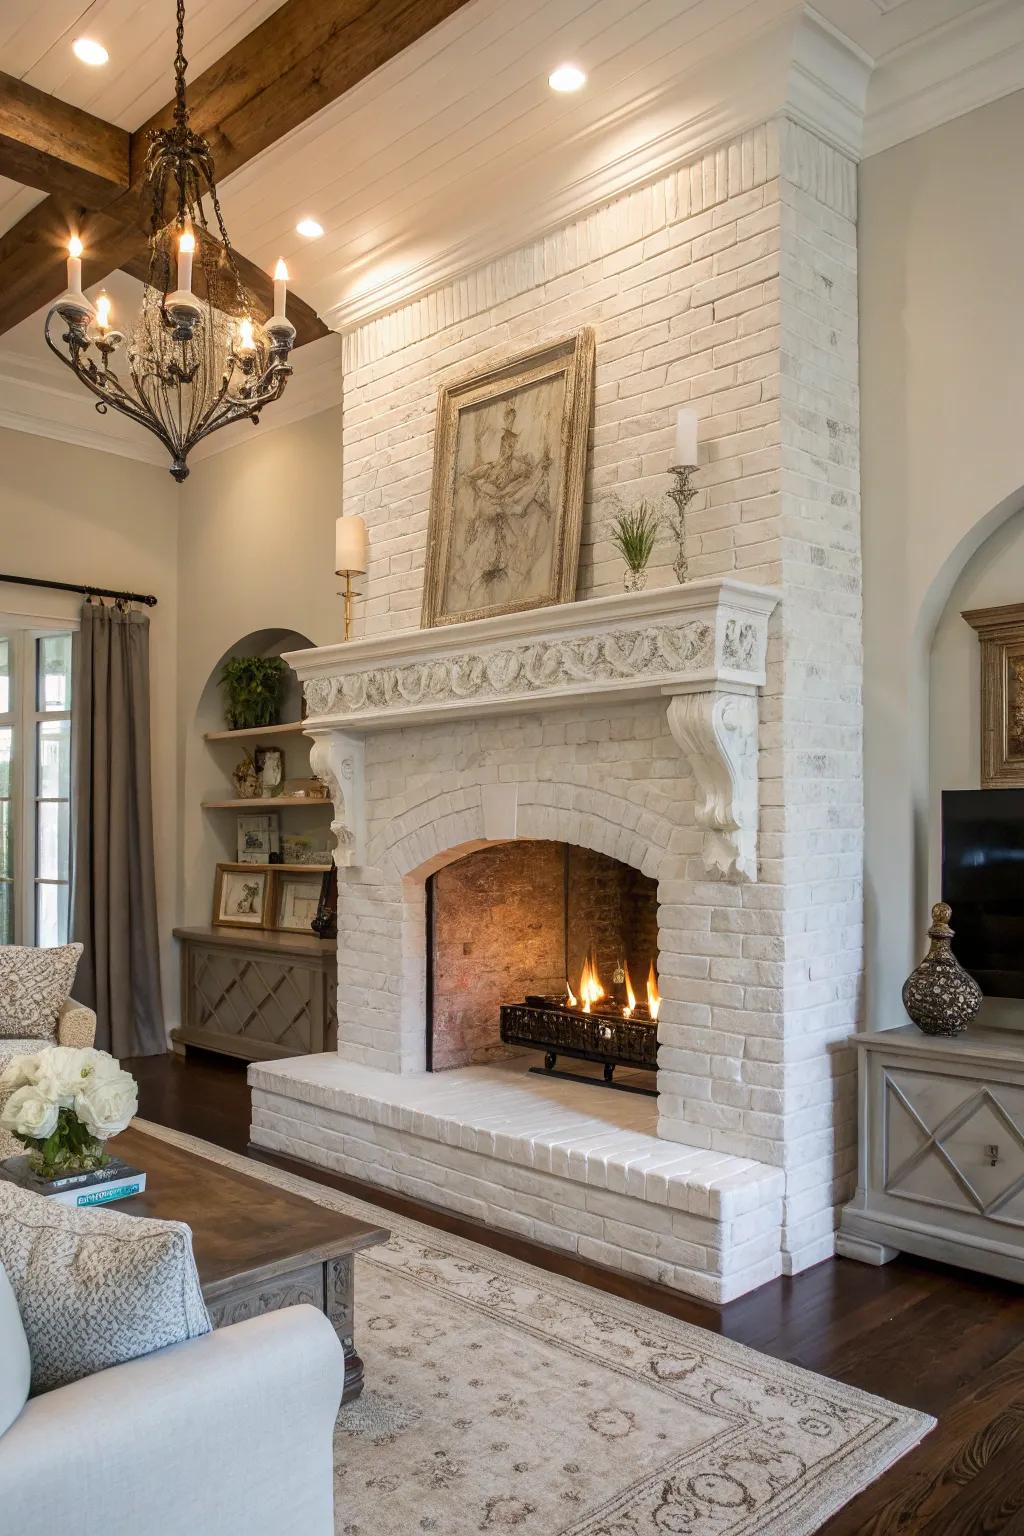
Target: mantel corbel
{"x": 717, "y": 730}
{"x": 337, "y": 760}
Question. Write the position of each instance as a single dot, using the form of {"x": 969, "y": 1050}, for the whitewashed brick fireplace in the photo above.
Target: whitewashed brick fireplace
{"x": 702, "y": 734}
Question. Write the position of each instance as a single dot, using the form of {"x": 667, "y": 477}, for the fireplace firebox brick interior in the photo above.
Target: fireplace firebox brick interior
{"x": 543, "y": 945}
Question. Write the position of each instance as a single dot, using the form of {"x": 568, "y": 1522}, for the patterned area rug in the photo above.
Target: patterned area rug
{"x": 501, "y": 1398}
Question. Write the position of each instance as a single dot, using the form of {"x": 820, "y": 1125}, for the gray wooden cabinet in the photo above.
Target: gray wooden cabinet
{"x": 257, "y": 995}
{"x": 941, "y": 1169}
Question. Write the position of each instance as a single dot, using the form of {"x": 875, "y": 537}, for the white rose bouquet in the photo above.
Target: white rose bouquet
{"x": 65, "y": 1104}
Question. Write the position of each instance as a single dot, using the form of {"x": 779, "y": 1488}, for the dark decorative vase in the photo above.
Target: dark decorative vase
{"x": 940, "y": 996}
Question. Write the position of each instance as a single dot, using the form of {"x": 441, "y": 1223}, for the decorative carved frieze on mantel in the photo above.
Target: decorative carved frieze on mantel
{"x": 702, "y": 643}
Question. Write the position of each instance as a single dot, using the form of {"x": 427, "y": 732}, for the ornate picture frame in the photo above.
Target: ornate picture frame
{"x": 241, "y": 896}
{"x": 1001, "y": 634}
{"x": 506, "y": 502}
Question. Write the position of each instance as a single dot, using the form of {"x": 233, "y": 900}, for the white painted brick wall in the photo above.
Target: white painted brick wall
{"x": 729, "y": 285}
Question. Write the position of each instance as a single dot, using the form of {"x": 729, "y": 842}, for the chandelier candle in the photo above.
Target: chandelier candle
{"x": 75, "y": 266}
{"x": 186, "y": 249}
{"x": 280, "y": 289}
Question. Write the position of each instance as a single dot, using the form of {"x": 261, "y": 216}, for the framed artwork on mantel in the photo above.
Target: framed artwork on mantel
{"x": 506, "y": 503}
{"x": 1001, "y": 633}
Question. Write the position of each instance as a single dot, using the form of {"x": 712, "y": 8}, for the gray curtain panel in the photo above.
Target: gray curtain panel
{"x": 113, "y": 887}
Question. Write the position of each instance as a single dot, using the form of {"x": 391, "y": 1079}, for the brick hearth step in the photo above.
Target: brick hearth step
{"x": 573, "y": 1166}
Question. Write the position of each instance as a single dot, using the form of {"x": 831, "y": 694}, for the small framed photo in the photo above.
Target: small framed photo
{"x": 298, "y": 902}
{"x": 259, "y": 840}
{"x": 241, "y": 896}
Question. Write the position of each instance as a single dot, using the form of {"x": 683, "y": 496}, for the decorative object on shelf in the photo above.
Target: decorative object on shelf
{"x": 325, "y": 923}
{"x": 255, "y": 686}
{"x": 65, "y": 1103}
{"x": 1001, "y": 636}
{"x": 241, "y": 896}
{"x": 270, "y": 767}
{"x": 194, "y": 364}
{"x": 683, "y": 491}
{"x": 297, "y": 902}
{"x": 506, "y": 503}
{"x": 351, "y": 558}
{"x": 305, "y": 789}
{"x": 633, "y": 531}
{"x": 246, "y": 779}
{"x": 940, "y": 996}
{"x": 306, "y": 848}
{"x": 259, "y": 840}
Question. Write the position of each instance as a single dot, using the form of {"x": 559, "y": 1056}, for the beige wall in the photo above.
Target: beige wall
{"x": 942, "y": 379}
{"x": 73, "y": 514}
{"x": 246, "y": 544}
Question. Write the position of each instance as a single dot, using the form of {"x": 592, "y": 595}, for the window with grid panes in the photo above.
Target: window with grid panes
{"x": 35, "y": 784}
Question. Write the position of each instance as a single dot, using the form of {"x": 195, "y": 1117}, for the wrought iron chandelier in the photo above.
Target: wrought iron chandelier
{"x": 190, "y": 365}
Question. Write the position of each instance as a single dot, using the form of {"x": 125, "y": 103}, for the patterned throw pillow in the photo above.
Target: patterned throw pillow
{"x": 34, "y": 986}
{"x": 96, "y": 1287}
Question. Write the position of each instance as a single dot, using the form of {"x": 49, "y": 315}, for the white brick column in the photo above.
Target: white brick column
{"x": 729, "y": 283}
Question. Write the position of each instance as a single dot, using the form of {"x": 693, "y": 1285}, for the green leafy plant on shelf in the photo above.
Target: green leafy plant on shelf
{"x": 634, "y": 531}
{"x": 255, "y": 686}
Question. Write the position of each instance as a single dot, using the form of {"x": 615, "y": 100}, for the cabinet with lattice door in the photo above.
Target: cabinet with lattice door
{"x": 258, "y": 995}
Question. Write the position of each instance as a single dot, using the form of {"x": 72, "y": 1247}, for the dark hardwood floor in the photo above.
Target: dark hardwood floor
{"x": 939, "y": 1339}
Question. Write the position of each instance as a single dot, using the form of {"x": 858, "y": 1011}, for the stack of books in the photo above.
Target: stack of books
{"x": 116, "y": 1180}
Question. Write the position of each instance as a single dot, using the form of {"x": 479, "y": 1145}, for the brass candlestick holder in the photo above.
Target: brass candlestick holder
{"x": 349, "y": 598}
{"x": 682, "y": 493}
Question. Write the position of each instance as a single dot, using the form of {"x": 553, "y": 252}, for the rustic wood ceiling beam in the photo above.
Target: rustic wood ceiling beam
{"x": 304, "y": 56}
{"x": 47, "y": 144}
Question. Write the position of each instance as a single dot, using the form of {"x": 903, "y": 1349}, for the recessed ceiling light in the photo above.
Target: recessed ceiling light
{"x": 88, "y": 51}
{"x": 310, "y": 228}
{"x": 567, "y": 77}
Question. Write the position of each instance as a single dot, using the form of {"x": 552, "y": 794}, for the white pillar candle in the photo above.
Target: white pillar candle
{"x": 186, "y": 247}
{"x": 280, "y": 288}
{"x": 686, "y": 437}
{"x": 75, "y": 264}
{"x": 350, "y": 545}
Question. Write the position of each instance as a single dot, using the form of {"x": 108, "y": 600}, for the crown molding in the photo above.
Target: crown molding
{"x": 36, "y": 399}
{"x": 971, "y": 61}
{"x": 799, "y": 66}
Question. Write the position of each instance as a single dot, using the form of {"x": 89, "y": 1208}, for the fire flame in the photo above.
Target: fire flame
{"x": 653, "y": 995}
{"x": 627, "y": 1012}
{"x": 591, "y": 990}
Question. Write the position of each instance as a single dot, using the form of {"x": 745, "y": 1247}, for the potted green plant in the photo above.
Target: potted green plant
{"x": 633, "y": 531}
{"x": 255, "y": 685}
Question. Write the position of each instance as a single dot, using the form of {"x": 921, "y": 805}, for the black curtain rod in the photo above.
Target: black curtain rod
{"x": 76, "y": 586}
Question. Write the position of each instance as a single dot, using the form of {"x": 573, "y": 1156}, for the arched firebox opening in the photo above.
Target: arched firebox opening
{"x": 542, "y": 946}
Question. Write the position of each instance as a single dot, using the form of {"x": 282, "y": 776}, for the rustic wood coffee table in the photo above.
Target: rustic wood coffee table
{"x": 257, "y": 1248}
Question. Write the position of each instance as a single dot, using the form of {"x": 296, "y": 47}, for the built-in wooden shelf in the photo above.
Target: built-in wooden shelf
{"x": 287, "y": 869}
{"x": 266, "y": 940}
{"x": 262, "y": 803}
{"x": 257, "y": 732}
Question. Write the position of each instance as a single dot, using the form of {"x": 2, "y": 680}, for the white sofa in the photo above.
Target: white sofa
{"x": 225, "y": 1435}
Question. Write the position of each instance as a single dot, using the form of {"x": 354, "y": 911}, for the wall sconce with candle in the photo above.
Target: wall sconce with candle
{"x": 683, "y": 491}
{"x": 351, "y": 557}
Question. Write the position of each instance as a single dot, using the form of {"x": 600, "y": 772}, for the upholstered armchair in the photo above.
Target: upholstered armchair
{"x": 75, "y": 1025}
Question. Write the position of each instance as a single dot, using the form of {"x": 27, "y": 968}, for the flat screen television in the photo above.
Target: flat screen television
{"x": 983, "y": 881}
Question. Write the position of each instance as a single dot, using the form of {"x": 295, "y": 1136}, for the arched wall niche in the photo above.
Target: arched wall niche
{"x": 987, "y": 571}
{"x": 210, "y": 837}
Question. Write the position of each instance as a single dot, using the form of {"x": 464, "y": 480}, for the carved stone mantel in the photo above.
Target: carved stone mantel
{"x": 702, "y": 644}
